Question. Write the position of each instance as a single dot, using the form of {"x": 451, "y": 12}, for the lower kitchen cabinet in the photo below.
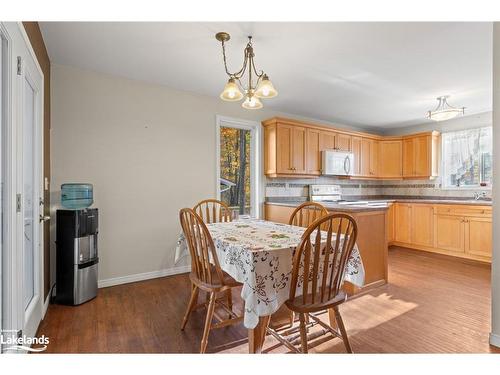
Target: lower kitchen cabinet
{"x": 458, "y": 230}
{"x": 422, "y": 224}
{"x": 479, "y": 235}
{"x": 402, "y": 218}
{"x": 450, "y": 233}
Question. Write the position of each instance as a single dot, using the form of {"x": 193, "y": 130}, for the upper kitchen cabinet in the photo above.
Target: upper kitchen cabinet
{"x": 285, "y": 150}
{"x": 313, "y": 151}
{"x": 420, "y": 159}
{"x": 290, "y": 149}
{"x": 390, "y": 159}
{"x": 366, "y": 152}
{"x": 343, "y": 142}
{"x": 293, "y": 148}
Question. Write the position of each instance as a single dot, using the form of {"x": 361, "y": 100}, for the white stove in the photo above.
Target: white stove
{"x": 332, "y": 195}
{"x": 325, "y": 193}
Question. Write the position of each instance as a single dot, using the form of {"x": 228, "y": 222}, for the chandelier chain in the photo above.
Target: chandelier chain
{"x": 247, "y": 62}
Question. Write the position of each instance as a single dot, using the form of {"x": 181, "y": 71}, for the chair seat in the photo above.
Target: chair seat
{"x": 297, "y": 304}
{"x": 227, "y": 280}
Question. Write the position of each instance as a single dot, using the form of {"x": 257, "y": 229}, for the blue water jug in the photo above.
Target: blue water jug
{"x": 75, "y": 196}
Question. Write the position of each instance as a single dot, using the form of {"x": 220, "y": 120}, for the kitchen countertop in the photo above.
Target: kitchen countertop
{"x": 332, "y": 206}
{"x": 295, "y": 201}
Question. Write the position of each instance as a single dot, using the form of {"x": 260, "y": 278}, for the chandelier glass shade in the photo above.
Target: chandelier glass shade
{"x": 257, "y": 84}
{"x": 252, "y": 102}
{"x": 444, "y": 111}
{"x": 231, "y": 91}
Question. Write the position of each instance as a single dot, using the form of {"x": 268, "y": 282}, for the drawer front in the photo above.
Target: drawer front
{"x": 462, "y": 210}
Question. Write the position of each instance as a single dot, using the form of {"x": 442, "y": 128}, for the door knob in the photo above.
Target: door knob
{"x": 44, "y": 218}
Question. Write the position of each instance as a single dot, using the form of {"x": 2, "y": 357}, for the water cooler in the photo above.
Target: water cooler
{"x": 76, "y": 255}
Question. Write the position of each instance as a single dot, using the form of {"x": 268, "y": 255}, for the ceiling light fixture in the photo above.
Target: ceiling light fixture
{"x": 444, "y": 111}
{"x": 261, "y": 89}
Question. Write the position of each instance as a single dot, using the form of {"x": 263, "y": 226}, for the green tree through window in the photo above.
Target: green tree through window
{"x": 235, "y": 168}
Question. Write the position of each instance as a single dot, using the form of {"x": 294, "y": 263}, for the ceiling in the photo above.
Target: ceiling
{"x": 381, "y": 75}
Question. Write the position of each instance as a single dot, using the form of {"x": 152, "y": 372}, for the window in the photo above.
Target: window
{"x": 467, "y": 158}
{"x": 237, "y": 165}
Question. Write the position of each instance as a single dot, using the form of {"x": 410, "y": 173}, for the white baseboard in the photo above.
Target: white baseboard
{"x": 45, "y": 306}
{"x": 47, "y": 301}
{"x": 143, "y": 276}
{"x": 495, "y": 340}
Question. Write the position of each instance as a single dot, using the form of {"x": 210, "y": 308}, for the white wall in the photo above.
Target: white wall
{"x": 459, "y": 123}
{"x": 495, "y": 264}
{"x": 148, "y": 150}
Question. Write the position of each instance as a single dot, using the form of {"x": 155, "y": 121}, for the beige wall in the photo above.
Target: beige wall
{"x": 148, "y": 150}
{"x": 495, "y": 264}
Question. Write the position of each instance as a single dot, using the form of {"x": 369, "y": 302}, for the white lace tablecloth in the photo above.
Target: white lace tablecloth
{"x": 259, "y": 254}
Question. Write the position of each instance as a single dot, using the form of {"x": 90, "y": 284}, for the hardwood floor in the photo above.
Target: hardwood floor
{"x": 432, "y": 304}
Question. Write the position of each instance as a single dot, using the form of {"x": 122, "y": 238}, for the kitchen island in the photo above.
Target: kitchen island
{"x": 371, "y": 241}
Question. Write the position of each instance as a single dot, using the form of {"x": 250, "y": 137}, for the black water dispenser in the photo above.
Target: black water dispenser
{"x": 76, "y": 255}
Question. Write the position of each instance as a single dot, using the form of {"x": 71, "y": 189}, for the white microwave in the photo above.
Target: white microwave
{"x": 337, "y": 163}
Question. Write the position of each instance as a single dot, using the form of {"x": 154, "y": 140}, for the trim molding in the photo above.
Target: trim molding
{"x": 143, "y": 276}
{"x": 495, "y": 340}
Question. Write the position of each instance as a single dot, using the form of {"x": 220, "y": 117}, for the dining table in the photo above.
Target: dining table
{"x": 259, "y": 254}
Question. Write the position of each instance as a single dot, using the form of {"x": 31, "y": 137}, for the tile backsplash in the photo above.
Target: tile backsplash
{"x": 277, "y": 187}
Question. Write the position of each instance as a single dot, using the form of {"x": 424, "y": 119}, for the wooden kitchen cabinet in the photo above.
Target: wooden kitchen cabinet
{"x": 390, "y": 159}
{"x": 402, "y": 219}
{"x": 313, "y": 151}
{"x": 327, "y": 140}
{"x": 420, "y": 159}
{"x": 408, "y": 158}
{"x": 458, "y": 230}
{"x": 368, "y": 157}
{"x": 479, "y": 236}
{"x": 285, "y": 150}
{"x": 356, "y": 150}
{"x": 293, "y": 148}
{"x": 343, "y": 142}
{"x": 298, "y": 146}
{"x": 422, "y": 224}
{"x": 450, "y": 233}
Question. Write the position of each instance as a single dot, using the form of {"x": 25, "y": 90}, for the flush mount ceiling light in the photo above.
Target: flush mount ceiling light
{"x": 444, "y": 111}
{"x": 262, "y": 88}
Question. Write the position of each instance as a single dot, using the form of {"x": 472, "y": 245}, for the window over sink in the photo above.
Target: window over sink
{"x": 467, "y": 158}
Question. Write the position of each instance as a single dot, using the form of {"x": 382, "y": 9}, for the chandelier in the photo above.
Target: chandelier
{"x": 444, "y": 111}
{"x": 262, "y": 88}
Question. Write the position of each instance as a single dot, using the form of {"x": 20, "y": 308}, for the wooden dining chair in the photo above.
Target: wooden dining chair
{"x": 307, "y": 213}
{"x": 213, "y": 211}
{"x": 303, "y": 216}
{"x": 312, "y": 289}
{"x": 206, "y": 275}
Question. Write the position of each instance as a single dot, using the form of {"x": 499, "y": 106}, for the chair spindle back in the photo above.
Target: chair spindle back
{"x": 204, "y": 259}
{"x": 213, "y": 211}
{"x": 307, "y": 213}
{"x": 320, "y": 259}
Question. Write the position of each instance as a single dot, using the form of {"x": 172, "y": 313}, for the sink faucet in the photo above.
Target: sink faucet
{"x": 477, "y": 195}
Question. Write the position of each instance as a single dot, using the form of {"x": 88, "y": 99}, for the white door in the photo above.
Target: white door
{"x": 30, "y": 96}
{"x": 22, "y": 296}
{"x": 30, "y": 85}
